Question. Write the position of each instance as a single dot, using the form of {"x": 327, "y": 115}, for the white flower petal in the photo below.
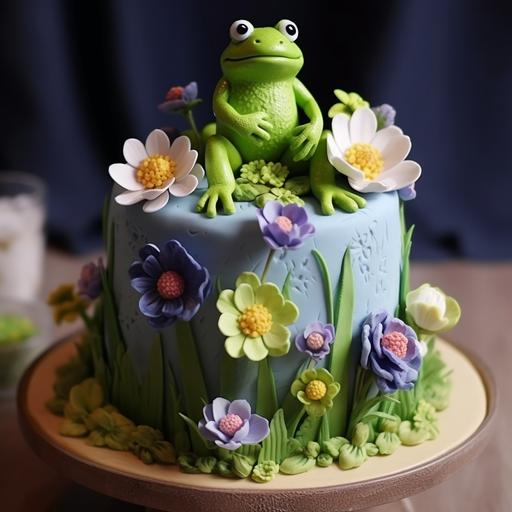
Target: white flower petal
{"x": 134, "y": 152}
{"x": 198, "y": 172}
{"x": 400, "y": 176}
{"x": 382, "y": 137}
{"x": 156, "y": 204}
{"x": 362, "y": 125}
{"x": 396, "y": 151}
{"x": 336, "y": 159}
{"x": 157, "y": 143}
{"x": 366, "y": 186}
{"x": 340, "y": 131}
{"x": 179, "y": 147}
{"x": 129, "y": 198}
{"x": 184, "y": 187}
{"x": 185, "y": 163}
{"x": 124, "y": 175}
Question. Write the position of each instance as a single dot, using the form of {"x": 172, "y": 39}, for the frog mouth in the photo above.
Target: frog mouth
{"x": 254, "y": 57}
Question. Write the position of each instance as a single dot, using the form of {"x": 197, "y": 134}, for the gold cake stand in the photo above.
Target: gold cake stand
{"x": 465, "y": 429}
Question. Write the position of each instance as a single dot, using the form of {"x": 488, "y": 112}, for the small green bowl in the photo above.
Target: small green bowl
{"x": 25, "y": 332}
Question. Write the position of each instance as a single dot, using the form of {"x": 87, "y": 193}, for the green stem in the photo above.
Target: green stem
{"x": 295, "y": 423}
{"x": 191, "y": 121}
{"x": 266, "y": 268}
{"x": 266, "y": 398}
{"x": 87, "y": 320}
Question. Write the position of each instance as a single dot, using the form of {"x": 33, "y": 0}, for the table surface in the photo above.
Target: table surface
{"x": 484, "y": 292}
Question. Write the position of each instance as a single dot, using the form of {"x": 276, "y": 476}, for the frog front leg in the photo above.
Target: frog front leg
{"x": 222, "y": 159}
{"x": 324, "y": 186}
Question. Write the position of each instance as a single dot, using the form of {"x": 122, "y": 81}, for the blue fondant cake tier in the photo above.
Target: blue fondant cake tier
{"x": 229, "y": 245}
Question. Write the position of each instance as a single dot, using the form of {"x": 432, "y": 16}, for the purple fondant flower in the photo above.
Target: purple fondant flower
{"x": 315, "y": 340}
{"x": 390, "y": 349}
{"x": 173, "y": 284}
{"x": 89, "y": 283}
{"x": 231, "y": 424}
{"x": 284, "y": 227}
{"x": 179, "y": 98}
{"x": 407, "y": 193}
{"x": 385, "y": 115}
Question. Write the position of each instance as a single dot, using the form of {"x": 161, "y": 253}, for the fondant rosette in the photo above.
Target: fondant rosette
{"x": 172, "y": 283}
{"x": 231, "y": 424}
{"x": 254, "y": 316}
{"x": 373, "y": 160}
{"x": 155, "y": 171}
{"x": 284, "y": 227}
{"x": 390, "y": 349}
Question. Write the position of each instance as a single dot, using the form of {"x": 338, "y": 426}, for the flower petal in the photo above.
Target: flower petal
{"x": 400, "y": 176}
{"x": 258, "y": 429}
{"x": 156, "y": 204}
{"x": 287, "y": 314}
{"x": 184, "y": 186}
{"x": 340, "y": 132}
{"x": 396, "y": 151}
{"x": 384, "y": 136}
{"x": 220, "y": 408}
{"x": 255, "y": 349}
{"x": 234, "y": 346}
{"x": 179, "y": 147}
{"x": 337, "y": 160}
{"x": 185, "y": 164}
{"x": 228, "y": 324}
{"x": 157, "y": 143}
{"x": 249, "y": 278}
{"x": 269, "y": 295}
{"x": 198, "y": 172}
{"x": 129, "y": 198}
{"x": 143, "y": 284}
{"x": 151, "y": 304}
{"x": 362, "y": 125}
{"x": 124, "y": 175}
{"x": 226, "y": 302}
{"x": 241, "y": 433}
{"x": 134, "y": 152}
{"x": 277, "y": 340}
{"x": 152, "y": 267}
{"x": 244, "y": 296}
{"x": 240, "y": 407}
{"x": 271, "y": 210}
{"x": 367, "y": 186}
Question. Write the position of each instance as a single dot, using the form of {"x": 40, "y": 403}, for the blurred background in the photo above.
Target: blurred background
{"x": 81, "y": 77}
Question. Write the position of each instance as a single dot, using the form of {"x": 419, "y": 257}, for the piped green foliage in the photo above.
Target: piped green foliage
{"x": 405, "y": 274}
{"x": 274, "y": 446}
{"x": 266, "y": 398}
{"x": 326, "y": 280}
{"x": 339, "y": 358}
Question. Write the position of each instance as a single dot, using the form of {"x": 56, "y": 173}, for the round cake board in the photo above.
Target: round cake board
{"x": 464, "y": 425}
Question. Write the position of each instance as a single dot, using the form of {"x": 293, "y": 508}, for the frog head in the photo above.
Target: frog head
{"x": 264, "y": 54}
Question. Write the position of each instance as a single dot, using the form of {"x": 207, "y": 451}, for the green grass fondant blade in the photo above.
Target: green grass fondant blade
{"x": 175, "y": 427}
{"x": 266, "y": 398}
{"x": 286, "y": 286}
{"x": 339, "y": 360}
{"x": 404, "y": 276}
{"x": 326, "y": 279}
{"x": 274, "y": 446}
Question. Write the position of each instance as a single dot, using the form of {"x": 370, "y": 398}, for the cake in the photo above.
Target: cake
{"x": 257, "y": 320}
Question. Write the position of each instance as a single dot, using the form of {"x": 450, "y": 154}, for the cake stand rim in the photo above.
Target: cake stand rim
{"x": 417, "y": 478}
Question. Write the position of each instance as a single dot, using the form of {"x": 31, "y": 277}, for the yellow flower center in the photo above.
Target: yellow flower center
{"x": 316, "y": 389}
{"x": 255, "y": 321}
{"x": 365, "y": 157}
{"x": 155, "y": 170}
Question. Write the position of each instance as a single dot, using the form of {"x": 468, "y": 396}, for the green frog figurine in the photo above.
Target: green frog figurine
{"x": 256, "y": 104}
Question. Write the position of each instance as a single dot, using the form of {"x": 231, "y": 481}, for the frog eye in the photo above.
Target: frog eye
{"x": 289, "y": 29}
{"x": 240, "y": 30}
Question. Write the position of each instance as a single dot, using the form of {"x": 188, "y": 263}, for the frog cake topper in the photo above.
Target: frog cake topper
{"x": 257, "y": 149}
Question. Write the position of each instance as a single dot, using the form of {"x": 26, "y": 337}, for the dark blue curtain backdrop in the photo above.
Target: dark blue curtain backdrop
{"x": 79, "y": 77}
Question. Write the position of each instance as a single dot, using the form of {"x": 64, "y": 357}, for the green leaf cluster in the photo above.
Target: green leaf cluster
{"x": 149, "y": 445}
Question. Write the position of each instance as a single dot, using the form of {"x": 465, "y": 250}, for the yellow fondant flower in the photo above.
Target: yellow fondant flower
{"x": 315, "y": 388}
{"x": 156, "y": 169}
{"x": 431, "y": 309}
{"x": 254, "y": 317}
{"x": 373, "y": 161}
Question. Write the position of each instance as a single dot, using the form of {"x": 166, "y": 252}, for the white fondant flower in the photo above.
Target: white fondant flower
{"x": 156, "y": 170}
{"x": 373, "y": 161}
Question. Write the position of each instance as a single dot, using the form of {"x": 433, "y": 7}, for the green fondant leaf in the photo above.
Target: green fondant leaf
{"x": 297, "y": 464}
{"x": 410, "y": 436}
{"x": 265, "y": 471}
{"x": 252, "y": 450}
{"x": 224, "y": 469}
{"x": 324, "y": 460}
{"x": 248, "y": 191}
{"x": 199, "y": 443}
{"x": 299, "y": 185}
{"x": 274, "y": 446}
{"x": 308, "y": 430}
{"x": 371, "y": 449}
{"x": 312, "y": 449}
{"x": 187, "y": 463}
{"x": 242, "y": 465}
{"x": 333, "y": 446}
{"x": 326, "y": 280}
{"x": 387, "y": 442}
{"x": 286, "y": 286}
{"x": 70, "y": 428}
{"x": 206, "y": 464}
{"x": 404, "y": 276}
{"x": 339, "y": 362}
{"x": 324, "y": 434}
{"x": 175, "y": 425}
{"x": 351, "y": 456}
{"x": 266, "y": 398}
{"x": 56, "y": 405}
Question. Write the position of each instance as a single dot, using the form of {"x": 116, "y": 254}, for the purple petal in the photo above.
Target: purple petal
{"x": 306, "y": 230}
{"x": 240, "y": 435}
{"x": 171, "y": 105}
{"x": 149, "y": 250}
{"x": 172, "y": 308}
{"x": 240, "y": 407}
{"x": 271, "y": 243}
{"x": 208, "y": 412}
{"x": 232, "y": 445}
{"x": 143, "y": 284}
{"x": 271, "y": 210}
{"x": 276, "y": 232}
{"x": 220, "y": 408}
{"x": 261, "y": 219}
{"x": 407, "y": 193}
{"x": 258, "y": 429}
{"x": 300, "y": 343}
{"x": 297, "y": 214}
{"x": 136, "y": 270}
{"x": 190, "y": 92}
{"x": 329, "y": 333}
{"x": 151, "y": 304}
{"x": 152, "y": 267}
{"x": 215, "y": 433}
{"x": 161, "y": 322}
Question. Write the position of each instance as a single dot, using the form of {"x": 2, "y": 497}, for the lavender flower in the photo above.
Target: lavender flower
{"x": 390, "y": 349}
{"x": 180, "y": 98}
{"x": 89, "y": 283}
{"x": 407, "y": 193}
{"x": 385, "y": 115}
{"x": 231, "y": 424}
{"x": 284, "y": 227}
{"x": 315, "y": 340}
{"x": 173, "y": 284}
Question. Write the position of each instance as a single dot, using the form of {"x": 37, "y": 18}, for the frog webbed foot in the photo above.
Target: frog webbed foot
{"x": 212, "y": 196}
{"x": 330, "y": 196}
